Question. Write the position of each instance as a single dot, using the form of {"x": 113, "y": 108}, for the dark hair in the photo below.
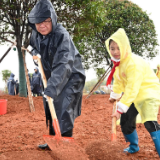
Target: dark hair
{"x": 110, "y": 41}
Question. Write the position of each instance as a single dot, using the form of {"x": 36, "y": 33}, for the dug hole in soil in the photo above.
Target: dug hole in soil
{"x": 22, "y": 131}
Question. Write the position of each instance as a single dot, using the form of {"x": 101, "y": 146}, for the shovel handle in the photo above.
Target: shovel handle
{"x": 114, "y": 119}
{"x": 50, "y": 100}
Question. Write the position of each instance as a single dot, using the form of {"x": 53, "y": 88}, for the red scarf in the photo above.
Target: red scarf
{"x": 112, "y": 72}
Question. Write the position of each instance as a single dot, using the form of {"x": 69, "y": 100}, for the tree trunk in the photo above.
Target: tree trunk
{"x": 22, "y": 78}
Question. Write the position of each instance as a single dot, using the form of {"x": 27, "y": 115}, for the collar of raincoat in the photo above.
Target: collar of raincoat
{"x": 41, "y": 11}
{"x": 122, "y": 40}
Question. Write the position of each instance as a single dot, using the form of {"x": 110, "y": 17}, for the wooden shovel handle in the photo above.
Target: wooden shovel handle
{"x": 50, "y": 100}
{"x": 114, "y": 119}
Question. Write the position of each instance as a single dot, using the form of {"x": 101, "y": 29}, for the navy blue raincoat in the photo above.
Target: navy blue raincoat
{"x": 62, "y": 66}
{"x": 17, "y": 87}
{"x": 36, "y": 82}
{"x": 11, "y": 85}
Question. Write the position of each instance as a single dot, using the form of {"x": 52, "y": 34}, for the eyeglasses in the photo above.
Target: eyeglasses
{"x": 44, "y": 22}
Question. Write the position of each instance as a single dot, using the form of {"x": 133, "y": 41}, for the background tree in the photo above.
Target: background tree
{"x": 81, "y": 18}
{"x": 100, "y": 72}
{"x": 137, "y": 24}
{"x": 5, "y": 75}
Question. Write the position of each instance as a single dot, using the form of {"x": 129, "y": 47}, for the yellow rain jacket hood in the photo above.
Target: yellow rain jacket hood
{"x": 158, "y": 71}
{"x": 136, "y": 79}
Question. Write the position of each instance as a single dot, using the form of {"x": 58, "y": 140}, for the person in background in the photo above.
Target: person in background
{"x": 134, "y": 77}
{"x": 158, "y": 72}
{"x": 11, "y": 84}
{"x": 36, "y": 83}
{"x": 62, "y": 66}
{"x": 17, "y": 87}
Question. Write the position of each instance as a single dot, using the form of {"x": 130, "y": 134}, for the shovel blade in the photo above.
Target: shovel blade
{"x": 55, "y": 140}
{"x": 113, "y": 137}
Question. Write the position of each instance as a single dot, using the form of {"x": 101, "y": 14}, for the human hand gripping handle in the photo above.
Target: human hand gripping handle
{"x": 49, "y": 99}
{"x": 115, "y": 113}
{"x": 112, "y": 100}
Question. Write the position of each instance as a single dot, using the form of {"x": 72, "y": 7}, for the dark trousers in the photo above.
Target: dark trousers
{"x": 66, "y": 134}
{"x": 128, "y": 122}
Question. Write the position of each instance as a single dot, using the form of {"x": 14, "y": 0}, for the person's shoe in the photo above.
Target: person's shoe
{"x": 43, "y": 146}
{"x": 133, "y": 139}
{"x": 156, "y": 139}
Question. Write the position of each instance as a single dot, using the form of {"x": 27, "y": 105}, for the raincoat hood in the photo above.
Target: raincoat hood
{"x": 122, "y": 40}
{"x": 41, "y": 11}
{"x": 36, "y": 69}
{"x": 12, "y": 75}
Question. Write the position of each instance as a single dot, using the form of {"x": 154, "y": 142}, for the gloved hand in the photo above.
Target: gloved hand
{"x": 45, "y": 97}
{"x": 36, "y": 61}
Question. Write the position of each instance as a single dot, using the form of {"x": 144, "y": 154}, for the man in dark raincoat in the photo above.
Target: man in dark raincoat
{"x": 62, "y": 66}
{"x": 36, "y": 83}
{"x": 11, "y": 84}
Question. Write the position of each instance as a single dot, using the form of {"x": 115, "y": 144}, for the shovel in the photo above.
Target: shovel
{"x": 48, "y": 138}
{"x": 114, "y": 119}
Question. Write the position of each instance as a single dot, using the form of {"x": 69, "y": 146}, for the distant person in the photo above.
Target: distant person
{"x": 17, "y": 87}
{"x": 36, "y": 83}
{"x": 11, "y": 84}
{"x": 158, "y": 72}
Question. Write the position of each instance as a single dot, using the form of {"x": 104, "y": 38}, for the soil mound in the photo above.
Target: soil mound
{"x": 68, "y": 151}
{"x": 103, "y": 150}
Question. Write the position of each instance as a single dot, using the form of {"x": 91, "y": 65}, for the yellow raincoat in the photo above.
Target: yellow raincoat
{"x": 158, "y": 71}
{"x": 136, "y": 79}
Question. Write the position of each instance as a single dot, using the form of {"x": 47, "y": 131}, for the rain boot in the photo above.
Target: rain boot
{"x": 133, "y": 139}
{"x": 43, "y": 146}
{"x": 156, "y": 139}
{"x": 51, "y": 132}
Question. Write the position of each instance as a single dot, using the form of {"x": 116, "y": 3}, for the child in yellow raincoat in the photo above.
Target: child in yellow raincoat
{"x": 141, "y": 88}
{"x": 158, "y": 72}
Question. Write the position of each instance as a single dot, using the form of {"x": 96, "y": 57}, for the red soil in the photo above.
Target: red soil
{"x": 21, "y": 131}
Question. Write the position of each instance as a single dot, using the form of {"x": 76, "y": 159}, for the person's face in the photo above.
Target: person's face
{"x": 44, "y": 27}
{"x": 35, "y": 70}
{"x": 114, "y": 50}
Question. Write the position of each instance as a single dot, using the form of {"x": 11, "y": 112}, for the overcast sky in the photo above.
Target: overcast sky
{"x": 10, "y": 62}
